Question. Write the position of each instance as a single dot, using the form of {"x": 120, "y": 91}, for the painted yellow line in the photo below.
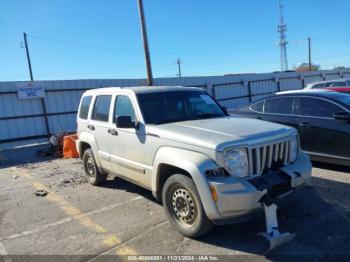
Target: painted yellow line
{"x": 110, "y": 241}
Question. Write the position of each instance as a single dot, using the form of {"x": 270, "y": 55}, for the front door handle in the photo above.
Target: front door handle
{"x": 113, "y": 132}
{"x": 91, "y": 127}
{"x": 304, "y": 124}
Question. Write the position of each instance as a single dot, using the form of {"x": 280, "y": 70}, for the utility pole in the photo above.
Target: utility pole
{"x": 178, "y": 62}
{"x": 43, "y": 106}
{"x": 145, "y": 43}
{"x": 28, "y": 57}
{"x": 310, "y": 63}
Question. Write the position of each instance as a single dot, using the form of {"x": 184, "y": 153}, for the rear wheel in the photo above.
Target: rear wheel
{"x": 183, "y": 206}
{"x": 93, "y": 175}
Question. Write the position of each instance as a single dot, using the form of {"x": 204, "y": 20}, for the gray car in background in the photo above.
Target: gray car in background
{"x": 342, "y": 82}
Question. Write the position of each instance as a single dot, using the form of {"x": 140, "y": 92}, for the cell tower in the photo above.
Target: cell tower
{"x": 282, "y": 29}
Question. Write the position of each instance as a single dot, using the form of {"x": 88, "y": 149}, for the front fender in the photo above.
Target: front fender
{"x": 195, "y": 164}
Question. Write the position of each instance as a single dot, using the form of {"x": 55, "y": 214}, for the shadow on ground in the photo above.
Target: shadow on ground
{"x": 121, "y": 184}
{"x": 23, "y": 156}
{"x": 337, "y": 168}
{"x": 320, "y": 222}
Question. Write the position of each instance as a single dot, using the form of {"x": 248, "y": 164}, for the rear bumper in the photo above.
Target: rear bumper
{"x": 238, "y": 199}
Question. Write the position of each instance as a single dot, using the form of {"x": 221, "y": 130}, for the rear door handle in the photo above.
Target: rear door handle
{"x": 304, "y": 124}
{"x": 91, "y": 127}
{"x": 113, "y": 132}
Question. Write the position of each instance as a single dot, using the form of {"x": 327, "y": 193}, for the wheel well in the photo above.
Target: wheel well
{"x": 83, "y": 147}
{"x": 164, "y": 172}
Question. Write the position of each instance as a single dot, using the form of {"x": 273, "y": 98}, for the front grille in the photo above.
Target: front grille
{"x": 269, "y": 156}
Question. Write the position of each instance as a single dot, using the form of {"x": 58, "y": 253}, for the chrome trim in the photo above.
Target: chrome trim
{"x": 262, "y": 157}
{"x": 295, "y": 115}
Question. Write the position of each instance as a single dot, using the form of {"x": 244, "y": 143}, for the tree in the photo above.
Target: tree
{"x": 304, "y": 67}
{"x": 339, "y": 67}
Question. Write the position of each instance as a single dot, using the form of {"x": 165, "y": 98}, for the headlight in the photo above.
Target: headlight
{"x": 237, "y": 162}
{"x": 294, "y": 148}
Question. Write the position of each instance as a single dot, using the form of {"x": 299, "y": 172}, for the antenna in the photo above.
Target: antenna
{"x": 282, "y": 29}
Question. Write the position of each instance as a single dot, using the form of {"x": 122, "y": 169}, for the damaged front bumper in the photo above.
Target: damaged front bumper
{"x": 240, "y": 199}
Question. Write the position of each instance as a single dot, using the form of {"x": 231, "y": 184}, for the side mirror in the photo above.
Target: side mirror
{"x": 343, "y": 116}
{"x": 224, "y": 108}
{"x": 124, "y": 122}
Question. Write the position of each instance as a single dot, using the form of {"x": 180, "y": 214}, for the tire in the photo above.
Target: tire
{"x": 93, "y": 175}
{"x": 183, "y": 206}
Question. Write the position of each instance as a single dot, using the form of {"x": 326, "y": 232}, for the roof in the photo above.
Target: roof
{"x": 320, "y": 91}
{"x": 343, "y": 98}
{"x": 144, "y": 89}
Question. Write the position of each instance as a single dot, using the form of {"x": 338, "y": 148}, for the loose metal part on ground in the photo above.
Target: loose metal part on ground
{"x": 272, "y": 234}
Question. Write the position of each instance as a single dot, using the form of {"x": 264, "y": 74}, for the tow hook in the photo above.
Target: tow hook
{"x": 274, "y": 237}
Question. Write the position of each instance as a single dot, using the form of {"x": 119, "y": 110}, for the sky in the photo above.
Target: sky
{"x": 90, "y": 39}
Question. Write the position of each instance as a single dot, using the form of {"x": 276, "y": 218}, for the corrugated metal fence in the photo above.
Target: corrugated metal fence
{"x": 24, "y": 122}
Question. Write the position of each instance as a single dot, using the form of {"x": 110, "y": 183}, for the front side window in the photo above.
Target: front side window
{"x": 176, "y": 106}
{"x": 258, "y": 107}
{"x": 123, "y": 107}
{"x": 305, "y": 106}
{"x": 282, "y": 106}
{"x": 84, "y": 107}
{"x": 101, "y": 108}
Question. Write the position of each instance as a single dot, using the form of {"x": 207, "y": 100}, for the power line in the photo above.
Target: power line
{"x": 86, "y": 45}
{"x": 332, "y": 40}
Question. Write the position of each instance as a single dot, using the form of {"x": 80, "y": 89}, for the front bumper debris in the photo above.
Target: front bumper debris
{"x": 274, "y": 237}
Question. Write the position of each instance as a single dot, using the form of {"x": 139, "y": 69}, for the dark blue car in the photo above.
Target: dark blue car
{"x": 321, "y": 117}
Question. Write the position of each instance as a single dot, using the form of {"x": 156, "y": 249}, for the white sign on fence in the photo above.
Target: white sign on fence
{"x": 30, "y": 92}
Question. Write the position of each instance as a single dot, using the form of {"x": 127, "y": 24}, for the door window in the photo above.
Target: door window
{"x": 338, "y": 84}
{"x": 283, "y": 105}
{"x": 319, "y": 86}
{"x": 123, "y": 107}
{"x": 101, "y": 108}
{"x": 258, "y": 107}
{"x": 315, "y": 107}
{"x": 84, "y": 107}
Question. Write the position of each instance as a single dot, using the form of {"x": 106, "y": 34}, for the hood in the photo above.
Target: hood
{"x": 217, "y": 133}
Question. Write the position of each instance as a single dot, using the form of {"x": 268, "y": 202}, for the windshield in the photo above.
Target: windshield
{"x": 176, "y": 106}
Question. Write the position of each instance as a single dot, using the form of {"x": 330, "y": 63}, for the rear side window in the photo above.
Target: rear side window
{"x": 279, "y": 106}
{"x": 315, "y": 107}
{"x": 101, "y": 108}
{"x": 84, "y": 107}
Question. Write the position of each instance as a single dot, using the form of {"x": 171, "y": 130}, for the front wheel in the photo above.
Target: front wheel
{"x": 183, "y": 206}
{"x": 93, "y": 175}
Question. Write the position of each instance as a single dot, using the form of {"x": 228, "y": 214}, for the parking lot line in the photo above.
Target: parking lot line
{"x": 72, "y": 211}
{"x": 69, "y": 219}
{"x": 124, "y": 248}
